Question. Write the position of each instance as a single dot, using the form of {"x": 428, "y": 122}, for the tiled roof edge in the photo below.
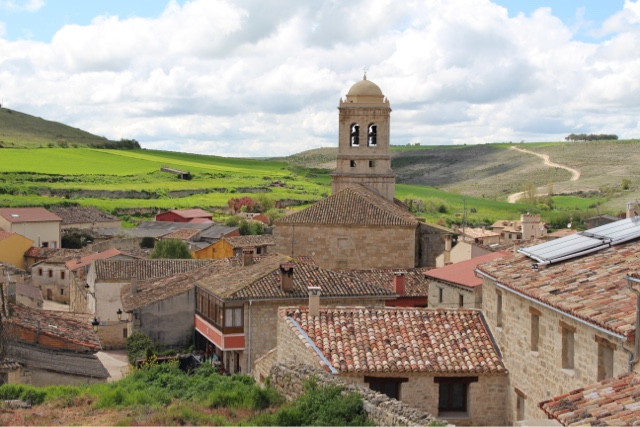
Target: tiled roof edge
{"x": 322, "y": 357}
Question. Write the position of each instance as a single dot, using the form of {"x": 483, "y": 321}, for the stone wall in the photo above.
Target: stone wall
{"x": 471, "y": 297}
{"x": 53, "y": 281}
{"x": 382, "y": 410}
{"x": 341, "y": 247}
{"x": 169, "y": 322}
{"x": 125, "y": 244}
{"x": 536, "y": 376}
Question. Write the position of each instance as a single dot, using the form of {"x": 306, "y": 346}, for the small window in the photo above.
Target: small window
{"x": 39, "y": 272}
{"x": 520, "y": 405}
{"x": 499, "y": 310}
{"x": 440, "y": 295}
{"x": 45, "y": 244}
{"x": 567, "y": 348}
{"x": 352, "y": 163}
{"x": 233, "y": 317}
{"x": 605, "y": 359}
{"x": 50, "y": 273}
{"x": 372, "y": 138}
{"x": 535, "y": 331}
{"x": 388, "y": 386}
{"x": 61, "y": 291}
{"x": 355, "y": 135}
{"x": 125, "y": 333}
{"x": 452, "y": 393}
{"x": 460, "y": 300}
{"x": 62, "y": 275}
{"x": 372, "y": 163}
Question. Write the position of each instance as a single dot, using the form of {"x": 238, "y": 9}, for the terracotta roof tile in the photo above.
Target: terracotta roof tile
{"x": 82, "y": 214}
{"x": 352, "y": 206}
{"x": 17, "y": 215}
{"x": 73, "y": 328}
{"x": 381, "y": 340}
{"x": 263, "y": 281}
{"x": 251, "y": 241}
{"x": 592, "y": 287}
{"x": 416, "y": 284}
{"x": 614, "y": 401}
{"x": 124, "y": 270}
{"x": 463, "y": 273}
{"x": 182, "y": 234}
{"x": 191, "y": 213}
{"x": 67, "y": 362}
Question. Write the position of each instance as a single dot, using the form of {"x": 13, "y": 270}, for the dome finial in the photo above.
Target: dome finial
{"x": 365, "y": 73}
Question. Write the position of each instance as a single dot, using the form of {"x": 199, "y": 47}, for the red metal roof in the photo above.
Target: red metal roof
{"x": 463, "y": 273}
{"x": 73, "y": 264}
{"x": 28, "y": 215}
{"x": 192, "y": 213}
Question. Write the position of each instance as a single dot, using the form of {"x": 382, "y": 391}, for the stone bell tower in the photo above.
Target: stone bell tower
{"x": 363, "y": 141}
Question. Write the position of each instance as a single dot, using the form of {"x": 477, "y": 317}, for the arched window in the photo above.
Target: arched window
{"x": 372, "y": 138}
{"x": 355, "y": 135}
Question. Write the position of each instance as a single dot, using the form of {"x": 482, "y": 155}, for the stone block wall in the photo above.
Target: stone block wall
{"x": 536, "y": 376}
{"x": 289, "y": 381}
{"x": 338, "y": 247}
{"x": 111, "y": 334}
{"x": 472, "y": 297}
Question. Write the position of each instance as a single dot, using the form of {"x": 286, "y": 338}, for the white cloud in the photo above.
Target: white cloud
{"x": 249, "y": 77}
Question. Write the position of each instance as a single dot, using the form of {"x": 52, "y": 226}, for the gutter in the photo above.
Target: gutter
{"x": 552, "y": 308}
{"x": 633, "y": 358}
{"x": 249, "y": 342}
{"x": 313, "y": 346}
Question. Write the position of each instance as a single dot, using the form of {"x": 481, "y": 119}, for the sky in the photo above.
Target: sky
{"x": 255, "y": 78}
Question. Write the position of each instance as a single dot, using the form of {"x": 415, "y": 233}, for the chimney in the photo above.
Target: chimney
{"x": 398, "y": 284}
{"x": 78, "y": 259}
{"x": 247, "y": 257}
{"x": 286, "y": 277}
{"x": 134, "y": 285}
{"x": 447, "y": 249}
{"x": 314, "y": 300}
{"x": 11, "y": 292}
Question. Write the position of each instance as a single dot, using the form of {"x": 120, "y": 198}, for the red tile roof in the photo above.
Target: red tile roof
{"x": 612, "y": 402}
{"x": 73, "y": 328}
{"x": 182, "y": 234}
{"x": 463, "y": 273}
{"x": 192, "y": 213}
{"x": 381, "y": 340}
{"x": 263, "y": 281}
{"x": 251, "y": 241}
{"x": 28, "y": 215}
{"x": 592, "y": 288}
{"x": 143, "y": 269}
{"x": 416, "y": 284}
{"x": 82, "y": 214}
{"x": 200, "y": 221}
{"x": 5, "y": 234}
{"x": 73, "y": 264}
{"x": 352, "y": 206}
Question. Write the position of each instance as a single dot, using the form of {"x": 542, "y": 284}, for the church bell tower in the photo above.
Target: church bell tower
{"x": 363, "y": 141}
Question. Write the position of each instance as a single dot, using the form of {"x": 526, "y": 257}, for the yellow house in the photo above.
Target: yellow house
{"x": 233, "y": 246}
{"x": 12, "y": 248}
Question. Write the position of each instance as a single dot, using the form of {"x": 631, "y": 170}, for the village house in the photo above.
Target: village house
{"x": 237, "y": 308}
{"x": 29, "y": 296}
{"x": 361, "y": 225}
{"x": 234, "y": 246}
{"x": 456, "y": 285}
{"x": 15, "y": 279}
{"x": 462, "y": 251}
{"x": 164, "y": 309}
{"x": 185, "y": 215}
{"x": 563, "y": 313}
{"x": 36, "y": 224}
{"x": 12, "y": 248}
{"x": 84, "y": 218}
{"x": 443, "y": 362}
{"x": 528, "y": 228}
{"x": 410, "y": 284}
{"x": 99, "y": 295}
{"x": 53, "y": 348}
{"x": 254, "y": 216}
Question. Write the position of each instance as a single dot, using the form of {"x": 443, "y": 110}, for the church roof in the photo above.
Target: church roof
{"x": 353, "y": 206}
{"x": 365, "y": 87}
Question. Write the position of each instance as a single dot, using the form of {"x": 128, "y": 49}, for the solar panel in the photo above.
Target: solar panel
{"x": 584, "y": 242}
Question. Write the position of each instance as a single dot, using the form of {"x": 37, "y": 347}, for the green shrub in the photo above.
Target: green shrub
{"x": 138, "y": 345}
{"x": 171, "y": 249}
{"x": 147, "y": 243}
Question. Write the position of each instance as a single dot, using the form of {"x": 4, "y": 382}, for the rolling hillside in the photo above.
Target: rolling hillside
{"x": 19, "y": 130}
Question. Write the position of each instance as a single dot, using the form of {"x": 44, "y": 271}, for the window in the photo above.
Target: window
{"x": 50, "y": 273}
{"x": 568, "y": 332}
{"x": 39, "y": 272}
{"x": 535, "y": 329}
{"x": 62, "y": 275}
{"x": 440, "y": 295}
{"x": 372, "y": 137}
{"x": 372, "y": 163}
{"x": 355, "y": 135}
{"x": 452, "y": 393}
{"x": 45, "y": 244}
{"x": 352, "y": 163}
{"x": 233, "y": 317}
{"x": 605, "y": 358}
{"x": 125, "y": 333}
{"x": 388, "y": 386}
{"x": 520, "y": 404}
{"x": 61, "y": 291}
{"x": 499, "y": 310}
{"x": 460, "y": 301}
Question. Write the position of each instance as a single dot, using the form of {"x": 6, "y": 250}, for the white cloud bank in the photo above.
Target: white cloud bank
{"x": 255, "y": 78}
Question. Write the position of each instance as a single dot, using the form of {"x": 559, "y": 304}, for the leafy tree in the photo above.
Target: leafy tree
{"x": 232, "y": 221}
{"x": 171, "y": 249}
{"x": 626, "y": 184}
{"x": 265, "y": 203}
{"x": 139, "y": 345}
{"x": 236, "y": 204}
{"x": 273, "y": 214}
{"x": 147, "y": 242}
{"x": 530, "y": 195}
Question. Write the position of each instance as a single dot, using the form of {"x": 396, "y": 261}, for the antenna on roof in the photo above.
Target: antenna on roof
{"x": 365, "y": 73}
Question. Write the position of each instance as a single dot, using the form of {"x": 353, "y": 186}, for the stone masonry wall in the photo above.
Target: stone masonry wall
{"x": 451, "y": 295}
{"x": 537, "y": 376}
{"x": 336, "y": 247}
{"x": 382, "y": 410}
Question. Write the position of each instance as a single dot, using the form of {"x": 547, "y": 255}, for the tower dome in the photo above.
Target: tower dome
{"x": 365, "y": 87}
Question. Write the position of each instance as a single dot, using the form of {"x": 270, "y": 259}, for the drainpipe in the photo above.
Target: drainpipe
{"x": 249, "y": 342}
{"x": 636, "y": 338}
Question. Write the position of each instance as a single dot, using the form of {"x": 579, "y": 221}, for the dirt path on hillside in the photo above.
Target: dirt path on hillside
{"x": 575, "y": 174}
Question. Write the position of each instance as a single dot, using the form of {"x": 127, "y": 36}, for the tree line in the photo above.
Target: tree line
{"x": 591, "y": 137}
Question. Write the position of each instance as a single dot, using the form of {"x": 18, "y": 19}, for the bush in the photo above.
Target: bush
{"x": 171, "y": 249}
{"x": 147, "y": 243}
{"x": 138, "y": 345}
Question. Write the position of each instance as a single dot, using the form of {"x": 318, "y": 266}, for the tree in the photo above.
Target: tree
{"x": 626, "y": 183}
{"x": 529, "y": 193}
{"x": 171, "y": 249}
{"x": 236, "y": 204}
{"x": 139, "y": 345}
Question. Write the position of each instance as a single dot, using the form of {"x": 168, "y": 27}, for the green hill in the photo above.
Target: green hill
{"x": 20, "y": 130}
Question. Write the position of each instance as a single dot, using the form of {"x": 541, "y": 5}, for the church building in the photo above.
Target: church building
{"x": 361, "y": 225}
